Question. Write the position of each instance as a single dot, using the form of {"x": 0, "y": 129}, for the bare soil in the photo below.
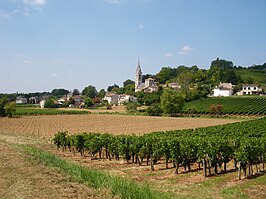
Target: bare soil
{"x": 47, "y": 126}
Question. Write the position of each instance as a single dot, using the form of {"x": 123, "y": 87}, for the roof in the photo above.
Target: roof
{"x": 250, "y": 85}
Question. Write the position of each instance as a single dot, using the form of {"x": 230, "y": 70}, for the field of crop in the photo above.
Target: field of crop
{"x": 230, "y": 105}
{"x": 47, "y": 126}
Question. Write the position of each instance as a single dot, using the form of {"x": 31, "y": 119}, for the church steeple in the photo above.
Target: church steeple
{"x": 138, "y": 76}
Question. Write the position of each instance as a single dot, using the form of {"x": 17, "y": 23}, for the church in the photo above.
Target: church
{"x": 149, "y": 85}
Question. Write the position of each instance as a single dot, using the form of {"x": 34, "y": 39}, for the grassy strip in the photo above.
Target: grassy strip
{"x": 34, "y": 111}
{"x": 126, "y": 189}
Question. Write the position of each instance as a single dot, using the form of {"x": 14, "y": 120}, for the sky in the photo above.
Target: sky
{"x": 47, "y": 44}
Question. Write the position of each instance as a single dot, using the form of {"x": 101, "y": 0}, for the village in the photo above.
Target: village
{"x": 140, "y": 85}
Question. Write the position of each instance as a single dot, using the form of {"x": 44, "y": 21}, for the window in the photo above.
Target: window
{"x": 248, "y": 88}
{"x": 244, "y": 88}
{"x": 255, "y": 88}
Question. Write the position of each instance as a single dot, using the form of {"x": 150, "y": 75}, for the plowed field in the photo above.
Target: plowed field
{"x": 47, "y": 126}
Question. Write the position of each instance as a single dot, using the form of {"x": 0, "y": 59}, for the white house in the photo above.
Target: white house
{"x": 42, "y": 102}
{"x": 173, "y": 85}
{"x": 223, "y": 90}
{"x": 250, "y": 89}
{"x": 119, "y": 99}
{"x": 21, "y": 100}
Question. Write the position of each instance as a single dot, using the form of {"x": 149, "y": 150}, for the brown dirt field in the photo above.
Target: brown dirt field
{"x": 183, "y": 185}
{"x": 22, "y": 178}
{"x": 47, "y": 126}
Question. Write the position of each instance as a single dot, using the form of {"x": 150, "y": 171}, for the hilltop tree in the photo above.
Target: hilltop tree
{"x": 166, "y": 73}
{"x": 90, "y": 91}
{"x": 76, "y": 92}
{"x": 110, "y": 88}
{"x": 59, "y": 92}
{"x": 128, "y": 82}
{"x": 222, "y": 64}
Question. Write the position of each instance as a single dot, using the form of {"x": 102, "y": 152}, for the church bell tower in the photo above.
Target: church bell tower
{"x": 138, "y": 76}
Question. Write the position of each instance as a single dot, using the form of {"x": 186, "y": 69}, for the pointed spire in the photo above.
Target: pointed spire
{"x": 138, "y": 67}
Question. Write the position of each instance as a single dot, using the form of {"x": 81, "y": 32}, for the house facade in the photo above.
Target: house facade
{"x": 250, "y": 89}
{"x": 223, "y": 90}
{"x": 119, "y": 99}
{"x": 21, "y": 100}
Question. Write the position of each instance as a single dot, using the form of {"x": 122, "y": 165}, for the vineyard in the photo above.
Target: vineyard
{"x": 48, "y": 125}
{"x": 229, "y": 105}
{"x": 211, "y": 148}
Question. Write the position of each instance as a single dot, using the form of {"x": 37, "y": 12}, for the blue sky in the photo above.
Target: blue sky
{"x": 46, "y": 44}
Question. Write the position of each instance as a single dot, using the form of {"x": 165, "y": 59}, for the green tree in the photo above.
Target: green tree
{"x": 166, "y": 73}
{"x": 88, "y": 102}
{"x": 129, "y": 89}
{"x": 128, "y": 82}
{"x": 222, "y": 64}
{"x": 154, "y": 110}
{"x": 90, "y": 91}
{"x": 76, "y": 92}
{"x": 101, "y": 94}
{"x": 131, "y": 107}
{"x": 3, "y": 102}
{"x": 59, "y": 92}
{"x": 185, "y": 79}
{"x": 50, "y": 103}
{"x": 10, "y": 109}
{"x": 110, "y": 88}
{"x": 172, "y": 102}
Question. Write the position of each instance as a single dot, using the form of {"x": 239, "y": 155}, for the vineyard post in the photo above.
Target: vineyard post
{"x": 239, "y": 171}
{"x": 176, "y": 167}
{"x": 152, "y": 165}
{"x": 204, "y": 167}
{"x": 262, "y": 162}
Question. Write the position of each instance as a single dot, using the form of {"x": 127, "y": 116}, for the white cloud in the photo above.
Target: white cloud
{"x": 115, "y": 1}
{"x": 168, "y": 55}
{"x": 185, "y": 50}
{"x": 26, "y": 61}
{"x": 35, "y": 2}
{"x": 54, "y": 75}
{"x": 139, "y": 27}
{"x": 26, "y": 11}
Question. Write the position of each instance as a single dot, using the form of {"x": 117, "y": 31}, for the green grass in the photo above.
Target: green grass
{"x": 125, "y": 188}
{"x": 20, "y": 111}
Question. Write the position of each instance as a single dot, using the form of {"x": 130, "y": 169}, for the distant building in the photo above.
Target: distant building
{"x": 34, "y": 100}
{"x": 250, "y": 89}
{"x": 223, "y": 90}
{"x": 42, "y": 102}
{"x": 149, "y": 85}
{"x": 173, "y": 85}
{"x": 21, "y": 100}
{"x": 119, "y": 99}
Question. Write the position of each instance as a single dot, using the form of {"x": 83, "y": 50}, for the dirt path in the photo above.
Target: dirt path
{"x": 21, "y": 177}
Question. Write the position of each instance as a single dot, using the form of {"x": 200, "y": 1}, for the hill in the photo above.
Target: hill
{"x": 255, "y": 76}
